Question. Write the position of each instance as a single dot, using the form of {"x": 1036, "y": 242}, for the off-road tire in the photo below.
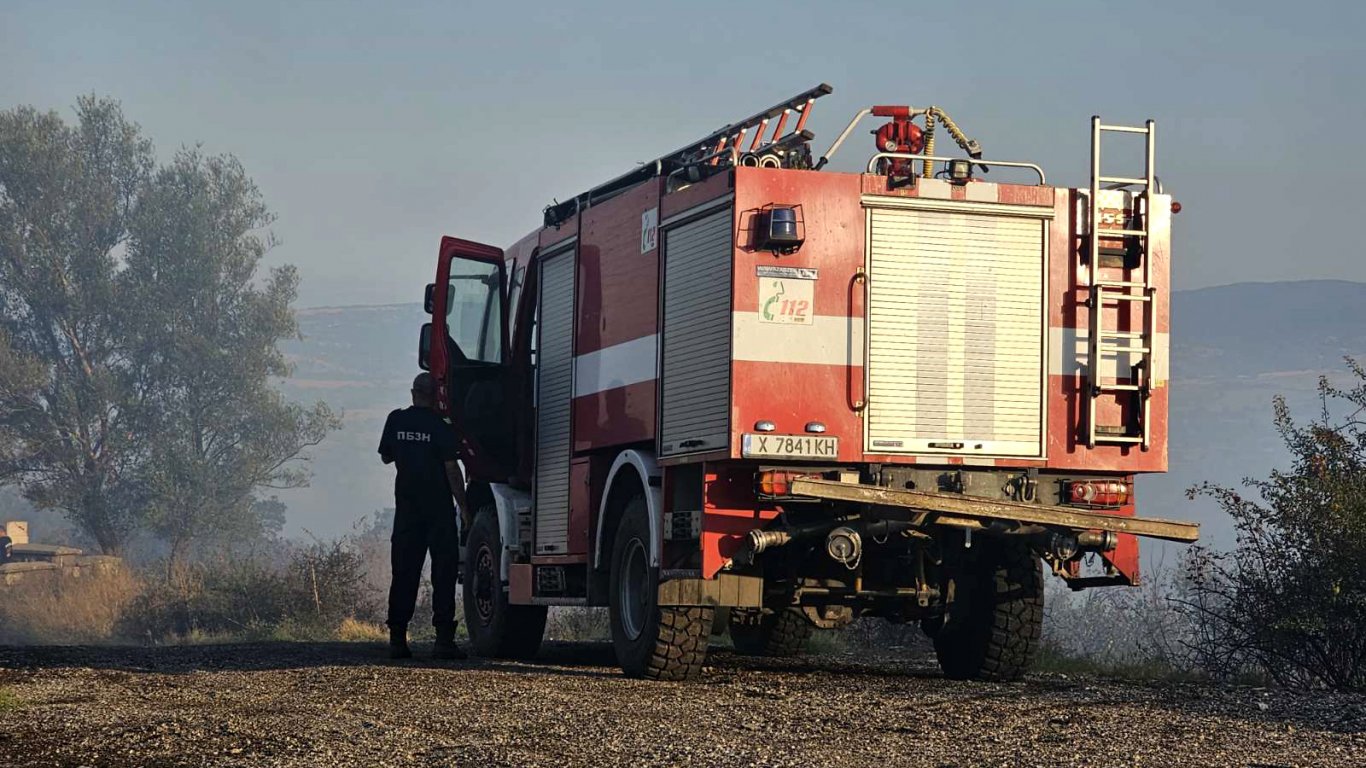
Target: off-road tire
{"x": 497, "y": 628}
{"x": 777, "y": 633}
{"x": 993, "y": 626}
{"x": 670, "y": 643}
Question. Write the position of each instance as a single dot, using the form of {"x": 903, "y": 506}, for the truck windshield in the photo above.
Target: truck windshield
{"x": 474, "y": 311}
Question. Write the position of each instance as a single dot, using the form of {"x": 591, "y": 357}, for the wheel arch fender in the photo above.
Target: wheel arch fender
{"x": 510, "y": 503}
{"x": 631, "y": 467}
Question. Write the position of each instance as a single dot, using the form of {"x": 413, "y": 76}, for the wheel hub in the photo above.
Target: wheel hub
{"x": 634, "y": 596}
{"x": 484, "y": 580}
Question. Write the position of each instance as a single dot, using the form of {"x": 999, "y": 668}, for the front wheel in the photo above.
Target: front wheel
{"x": 660, "y": 643}
{"x": 497, "y": 628}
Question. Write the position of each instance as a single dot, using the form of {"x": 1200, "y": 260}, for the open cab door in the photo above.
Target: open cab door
{"x": 465, "y": 347}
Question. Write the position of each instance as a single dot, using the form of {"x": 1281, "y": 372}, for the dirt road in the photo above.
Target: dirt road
{"x": 344, "y": 704}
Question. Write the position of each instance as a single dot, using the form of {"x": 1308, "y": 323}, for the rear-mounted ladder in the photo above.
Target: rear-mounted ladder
{"x": 1128, "y": 344}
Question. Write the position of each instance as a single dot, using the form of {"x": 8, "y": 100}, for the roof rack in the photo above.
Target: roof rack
{"x": 710, "y": 149}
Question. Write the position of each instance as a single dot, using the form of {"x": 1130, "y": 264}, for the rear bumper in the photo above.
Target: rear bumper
{"x": 973, "y": 512}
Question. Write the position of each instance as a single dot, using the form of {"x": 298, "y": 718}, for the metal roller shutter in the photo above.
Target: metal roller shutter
{"x": 695, "y": 376}
{"x": 554, "y": 397}
{"x": 956, "y": 330}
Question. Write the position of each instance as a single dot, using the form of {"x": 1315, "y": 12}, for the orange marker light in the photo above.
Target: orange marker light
{"x": 774, "y": 482}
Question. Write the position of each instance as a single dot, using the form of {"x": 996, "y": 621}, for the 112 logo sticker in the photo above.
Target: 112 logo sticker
{"x": 787, "y": 301}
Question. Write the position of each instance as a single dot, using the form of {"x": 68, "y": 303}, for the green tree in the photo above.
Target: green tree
{"x": 130, "y": 297}
{"x": 271, "y": 513}
{"x": 1290, "y": 599}
{"x": 204, "y": 332}
{"x": 20, "y": 381}
{"x": 66, "y": 195}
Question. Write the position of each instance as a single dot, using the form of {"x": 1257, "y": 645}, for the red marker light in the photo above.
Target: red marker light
{"x": 1176, "y": 207}
{"x": 1099, "y": 494}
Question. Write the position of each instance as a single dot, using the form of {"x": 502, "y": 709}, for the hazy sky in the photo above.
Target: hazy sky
{"x": 373, "y": 131}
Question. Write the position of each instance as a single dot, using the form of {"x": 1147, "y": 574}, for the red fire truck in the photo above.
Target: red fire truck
{"x": 732, "y": 389}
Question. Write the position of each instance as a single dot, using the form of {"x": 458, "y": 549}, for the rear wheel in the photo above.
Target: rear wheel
{"x": 775, "y": 633}
{"x": 660, "y": 643}
{"x": 497, "y": 628}
{"x": 995, "y": 617}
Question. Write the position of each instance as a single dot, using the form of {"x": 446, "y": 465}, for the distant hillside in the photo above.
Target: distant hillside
{"x": 1234, "y": 348}
{"x": 1258, "y": 328}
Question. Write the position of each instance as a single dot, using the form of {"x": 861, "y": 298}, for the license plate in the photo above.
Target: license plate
{"x": 789, "y": 446}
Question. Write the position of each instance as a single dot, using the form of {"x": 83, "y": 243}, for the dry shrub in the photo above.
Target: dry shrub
{"x": 307, "y": 594}
{"x": 61, "y": 609}
{"x": 577, "y": 624}
{"x": 1137, "y": 632}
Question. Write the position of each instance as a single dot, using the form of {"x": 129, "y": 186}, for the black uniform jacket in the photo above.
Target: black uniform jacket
{"x": 420, "y": 443}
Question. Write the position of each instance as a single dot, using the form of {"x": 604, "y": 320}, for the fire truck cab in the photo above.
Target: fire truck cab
{"x": 734, "y": 390}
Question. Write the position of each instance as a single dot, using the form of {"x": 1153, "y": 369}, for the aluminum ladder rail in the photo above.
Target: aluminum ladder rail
{"x": 711, "y": 149}
{"x": 1122, "y": 292}
{"x": 714, "y": 144}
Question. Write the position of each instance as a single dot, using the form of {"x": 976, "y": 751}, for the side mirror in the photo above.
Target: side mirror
{"x": 429, "y": 299}
{"x": 424, "y": 347}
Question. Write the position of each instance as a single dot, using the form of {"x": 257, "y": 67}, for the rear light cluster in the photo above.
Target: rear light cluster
{"x": 772, "y": 482}
{"x": 1098, "y": 493}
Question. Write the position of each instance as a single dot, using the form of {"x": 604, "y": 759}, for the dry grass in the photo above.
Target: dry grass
{"x": 111, "y": 607}
{"x": 356, "y": 631}
{"x": 65, "y": 611}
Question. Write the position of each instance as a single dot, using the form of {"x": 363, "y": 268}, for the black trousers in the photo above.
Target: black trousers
{"x": 419, "y": 529}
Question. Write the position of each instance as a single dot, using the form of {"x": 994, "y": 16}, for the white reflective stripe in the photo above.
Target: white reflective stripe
{"x": 981, "y": 192}
{"x": 619, "y": 365}
{"x": 1068, "y": 350}
{"x": 829, "y": 340}
{"x": 937, "y": 189}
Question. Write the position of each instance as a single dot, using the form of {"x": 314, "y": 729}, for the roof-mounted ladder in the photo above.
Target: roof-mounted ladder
{"x": 1129, "y": 344}
{"x": 724, "y": 143}
{"x": 715, "y": 145}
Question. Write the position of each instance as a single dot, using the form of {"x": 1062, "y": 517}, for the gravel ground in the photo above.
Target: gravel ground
{"x": 345, "y": 704}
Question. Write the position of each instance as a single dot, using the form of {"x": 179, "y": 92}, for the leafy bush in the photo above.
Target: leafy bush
{"x": 1290, "y": 599}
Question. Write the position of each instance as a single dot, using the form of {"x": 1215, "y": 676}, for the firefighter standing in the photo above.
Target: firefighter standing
{"x": 426, "y": 491}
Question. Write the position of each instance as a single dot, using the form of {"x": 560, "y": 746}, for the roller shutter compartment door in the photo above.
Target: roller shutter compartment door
{"x": 554, "y": 398}
{"x": 695, "y": 375}
{"x": 956, "y": 333}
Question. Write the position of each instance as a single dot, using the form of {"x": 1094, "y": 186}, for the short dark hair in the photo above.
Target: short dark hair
{"x": 424, "y": 385}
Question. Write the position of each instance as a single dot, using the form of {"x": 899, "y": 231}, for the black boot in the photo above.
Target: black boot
{"x": 445, "y": 647}
{"x": 398, "y": 643}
